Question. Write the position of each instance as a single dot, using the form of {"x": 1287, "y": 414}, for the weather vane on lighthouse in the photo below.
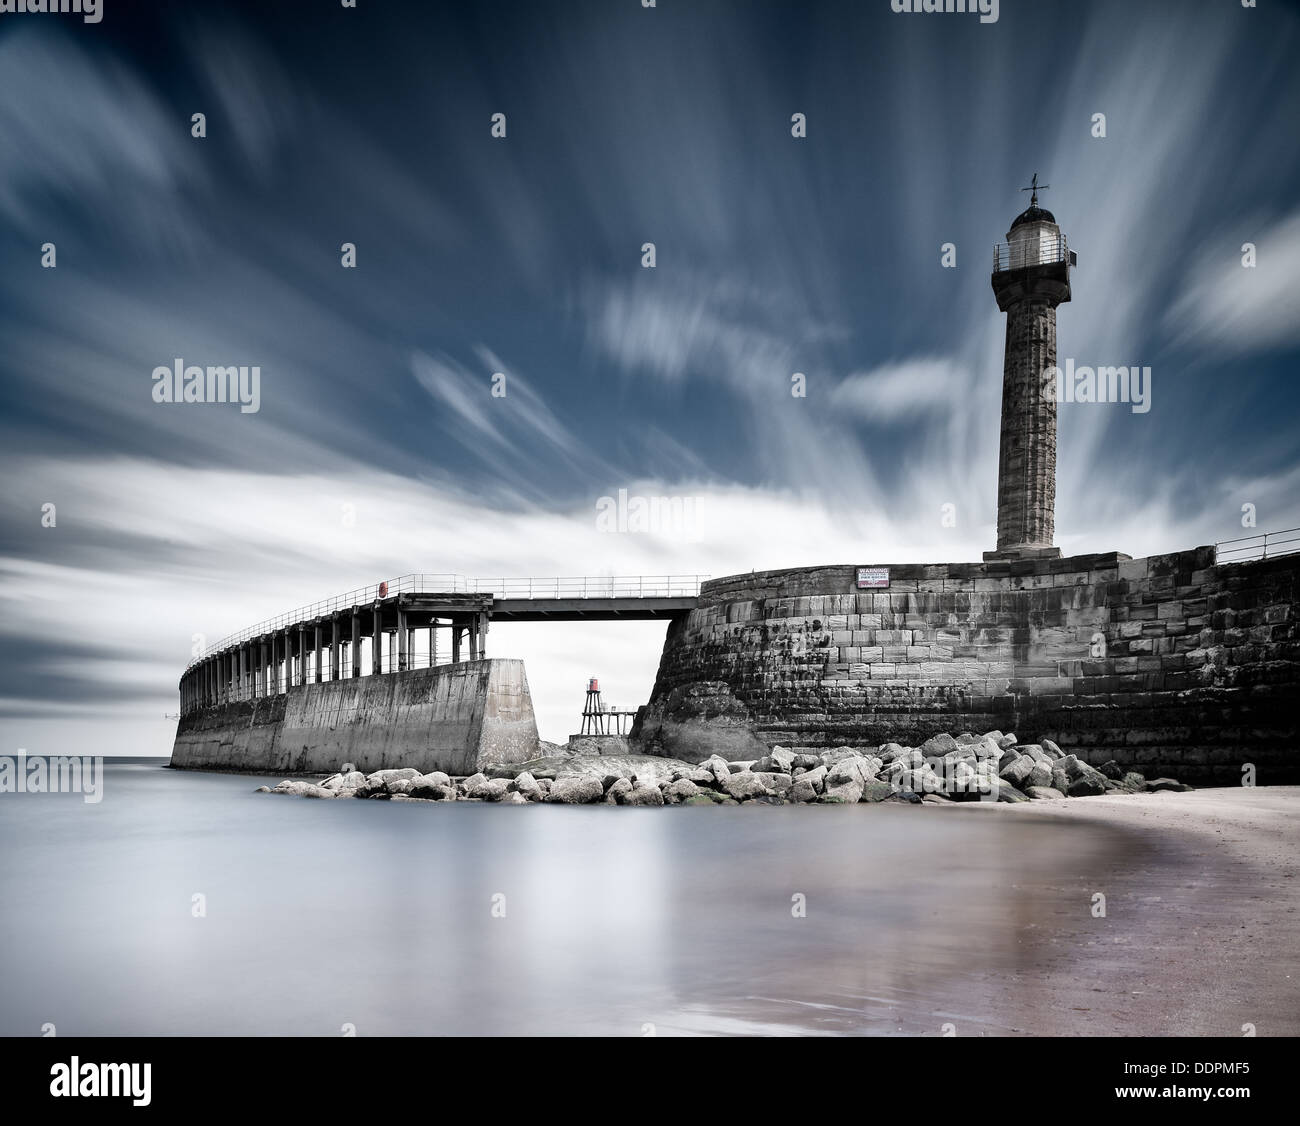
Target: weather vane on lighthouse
{"x": 1035, "y": 187}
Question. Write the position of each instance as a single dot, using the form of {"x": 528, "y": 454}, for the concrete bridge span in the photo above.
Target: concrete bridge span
{"x": 416, "y": 621}
{"x": 395, "y": 674}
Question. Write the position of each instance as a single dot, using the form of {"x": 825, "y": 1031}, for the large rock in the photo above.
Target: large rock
{"x": 744, "y": 785}
{"x": 526, "y": 785}
{"x": 1017, "y": 771}
{"x": 696, "y": 774}
{"x": 1052, "y": 749}
{"x": 802, "y": 791}
{"x": 890, "y": 751}
{"x": 923, "y": 781}
{"x": 490, "y": 789}
{"x": 1044, "y": 793}
{"x": 1159, "y": 785}
{"x": 1060, "y": 780}
{"x": 1085, "y": 786}
{"x": 396, "y": 774}
{"x": 815, "y": 778}
{"x": 679, "y": 791}
{"x": 576, "y": 789}
{"x": 1112, "y": 770}
{"x": 1006, "y": 792}
{"x": 848, "y": 792}
{"x": 1036, "y": 752}
{"x": 302, "y": 789}
{"x": 938, "y": 745}
{"x": 830, "y": 758}
{"x": 776, "y": 782}
{"x": 1040, "y": 775}
{"x": 644, "y": 793}
{"x": 874, "y": 791}
{"x": 852, "y": 768}
{"x": 649, "y": 768}
{"x": 964, "y": 783}
{"x": 717, "y": 766}
{"x": 780, "y": 761}
{"x": 806, "y": 762}
{"x": 617, "y": 790}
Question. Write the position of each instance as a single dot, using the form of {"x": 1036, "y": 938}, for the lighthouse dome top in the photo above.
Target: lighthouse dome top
{"x": 1033, "y": 214}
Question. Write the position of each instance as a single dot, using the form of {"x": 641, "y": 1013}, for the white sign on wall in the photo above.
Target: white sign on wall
{"x": 873, "y": 577}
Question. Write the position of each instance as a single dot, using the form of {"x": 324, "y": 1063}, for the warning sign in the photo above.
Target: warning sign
{"x": 873, "y": 578}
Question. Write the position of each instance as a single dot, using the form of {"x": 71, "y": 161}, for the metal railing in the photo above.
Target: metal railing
{"x": 582, "y": 586}
{"x": 1263, "y": 546}
{"x": 1037, "y": 251}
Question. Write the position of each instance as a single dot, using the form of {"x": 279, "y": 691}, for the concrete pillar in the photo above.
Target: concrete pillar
{"x": 356, "y": 644}
{"x": 392, "y": 650}
{"x": 243, "y": 672}
{"x": 335, "y": 643}
{"x": 320, "y": 645}
{"x": 288, "y": 659}
{"x": 402, "y": 654}
{"x": 473, "y": 638}
{"x": 482, "y": 635}
{"x": 377, "y": 646}
{"x": 455, "y": 642}
{"x": 433, "y": 644}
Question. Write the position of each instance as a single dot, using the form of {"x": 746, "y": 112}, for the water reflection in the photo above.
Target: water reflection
{"x": 473, "y": 919}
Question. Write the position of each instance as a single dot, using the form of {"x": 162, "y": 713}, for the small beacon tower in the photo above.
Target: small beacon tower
{"x": 1031, "y": 277}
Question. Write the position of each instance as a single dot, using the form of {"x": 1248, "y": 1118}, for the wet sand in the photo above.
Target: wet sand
{"x": 1202, "y": 927}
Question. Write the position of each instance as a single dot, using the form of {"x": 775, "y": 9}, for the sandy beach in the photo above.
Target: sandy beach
{"x": 1200, "y": 935}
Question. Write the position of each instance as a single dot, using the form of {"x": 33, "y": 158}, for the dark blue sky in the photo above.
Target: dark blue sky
{"x": 625, "y": 125}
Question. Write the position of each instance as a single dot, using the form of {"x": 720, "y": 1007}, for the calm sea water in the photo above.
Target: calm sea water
{"x": 481, "y": 919}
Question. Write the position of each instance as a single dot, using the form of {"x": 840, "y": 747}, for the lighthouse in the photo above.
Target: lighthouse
{"x": 1031, "y": 277}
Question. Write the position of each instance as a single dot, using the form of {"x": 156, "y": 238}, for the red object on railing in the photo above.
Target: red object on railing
{"x": 383, "y": 590}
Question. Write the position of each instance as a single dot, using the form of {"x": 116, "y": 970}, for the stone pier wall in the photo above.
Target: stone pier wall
{"x": 455, "y": 718}
{"x": 1170, "y": 664}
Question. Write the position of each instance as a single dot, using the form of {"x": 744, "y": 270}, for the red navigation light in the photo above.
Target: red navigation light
{"x": 593, "y": 685}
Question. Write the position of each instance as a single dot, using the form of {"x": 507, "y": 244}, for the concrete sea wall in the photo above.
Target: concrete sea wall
{"x": 456, "y": 718}
{"x": 1170, "y": 665}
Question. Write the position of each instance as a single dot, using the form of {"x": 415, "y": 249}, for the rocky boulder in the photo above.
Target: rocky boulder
{"x": 643, "y": 793}
{"x": 576, "y": 789}
{"x": 744, "y": 785}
